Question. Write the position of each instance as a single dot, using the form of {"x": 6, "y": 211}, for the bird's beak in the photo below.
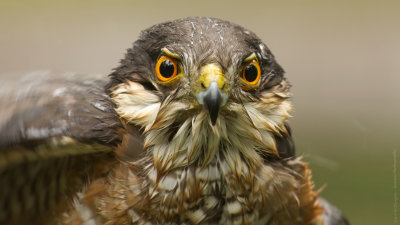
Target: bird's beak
{"x": 210, "y": 96}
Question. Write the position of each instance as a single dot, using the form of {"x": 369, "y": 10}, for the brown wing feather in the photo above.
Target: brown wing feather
{"x": 56, "y": 134}
{"x": 285, "y": 144}
{"x": 38, "y": 107}
{"x": 332, "y": 215}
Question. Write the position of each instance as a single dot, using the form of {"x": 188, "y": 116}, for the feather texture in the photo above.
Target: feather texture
{"x": 138, "y": 150}
{"x": 56, "y": 135}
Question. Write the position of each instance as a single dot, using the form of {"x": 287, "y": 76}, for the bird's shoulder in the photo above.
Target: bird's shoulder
{"x": 40, "y": 105}
{"x": 57, "y": 133}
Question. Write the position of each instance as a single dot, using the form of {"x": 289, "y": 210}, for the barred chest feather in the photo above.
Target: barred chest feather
{"x": 279, "y": 193}
{"x": 198, "y": 173}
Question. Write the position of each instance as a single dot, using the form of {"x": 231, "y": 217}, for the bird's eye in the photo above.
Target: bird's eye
{"x": 166, "y": 69}
{"x": 251, "y": 73}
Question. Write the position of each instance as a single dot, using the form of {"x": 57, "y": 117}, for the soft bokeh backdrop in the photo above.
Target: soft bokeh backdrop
{"x": 342, "y": 58}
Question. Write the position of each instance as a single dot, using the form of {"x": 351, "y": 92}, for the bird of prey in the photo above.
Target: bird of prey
{"x": 190, "y": 128}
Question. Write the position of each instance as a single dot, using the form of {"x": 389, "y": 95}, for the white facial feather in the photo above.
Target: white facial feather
{"x": 177, "y": 138}
{"x": 136, "y": 104}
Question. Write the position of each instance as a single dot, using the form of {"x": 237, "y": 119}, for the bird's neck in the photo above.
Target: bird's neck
{"x": 241, "y": 135}
{"x": 179, "y": 134}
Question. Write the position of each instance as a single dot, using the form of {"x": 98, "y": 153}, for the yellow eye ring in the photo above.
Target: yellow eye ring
{"x": 251, "y": 73}
{"x": 166, "y": 69}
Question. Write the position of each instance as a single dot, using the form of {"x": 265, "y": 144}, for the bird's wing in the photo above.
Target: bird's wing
{"x": 285, "y": 144}
{"x": 56, "y": 134}
{"x": 331, "y": 215}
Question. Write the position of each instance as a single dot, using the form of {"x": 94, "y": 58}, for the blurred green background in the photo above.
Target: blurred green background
{"x": 342, "y": 58}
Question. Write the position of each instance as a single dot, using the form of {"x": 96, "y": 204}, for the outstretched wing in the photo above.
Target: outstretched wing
{"x": 56, "y": 134}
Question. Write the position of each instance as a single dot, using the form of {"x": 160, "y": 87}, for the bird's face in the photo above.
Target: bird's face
{"x": 202, "y": 89}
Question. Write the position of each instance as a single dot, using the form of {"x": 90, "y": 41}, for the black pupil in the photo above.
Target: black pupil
{"x": 250, "y": 73}
{"x": 167, "y": 69}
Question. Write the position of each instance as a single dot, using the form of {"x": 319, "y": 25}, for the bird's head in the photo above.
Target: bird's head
{"x": 202, "y": 89}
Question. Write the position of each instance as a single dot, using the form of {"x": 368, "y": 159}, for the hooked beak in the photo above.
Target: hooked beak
{"x": 211, "y": 97}
{"x": 212, "y": 101}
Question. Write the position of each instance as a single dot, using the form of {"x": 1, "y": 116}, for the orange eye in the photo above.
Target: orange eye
{"x": 251, "y": 73}
{"x": 166, "y": 68}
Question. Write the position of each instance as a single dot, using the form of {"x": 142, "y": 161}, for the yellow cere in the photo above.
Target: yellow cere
{"x": 210, "y": 73}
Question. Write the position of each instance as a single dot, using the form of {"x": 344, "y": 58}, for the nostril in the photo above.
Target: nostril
{"x": 202, "y": 85}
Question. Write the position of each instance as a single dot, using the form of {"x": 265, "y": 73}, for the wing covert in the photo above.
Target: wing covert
{"x": 38, "y": 107}
{"x": 285, "y": 144}
{"x": 56, "y": 134}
